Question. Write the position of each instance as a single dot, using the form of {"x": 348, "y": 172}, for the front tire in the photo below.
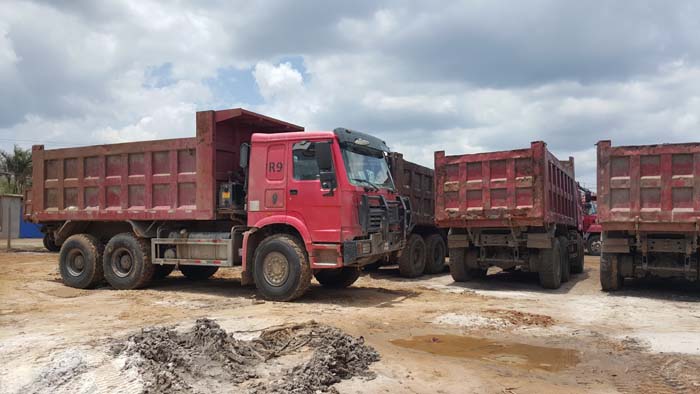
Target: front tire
{"x": 436, "y": 253}
{"x": 281, "y": 268}
{"x": 80, "y": 261}
{"x": 594, "y": 245}
{"x": 195, "y": 272}
{"x": 127, "y": 262}
{"x": 550, "y": 266}
{"x": 412, "y": 260}
{"x": 337, "y": 278}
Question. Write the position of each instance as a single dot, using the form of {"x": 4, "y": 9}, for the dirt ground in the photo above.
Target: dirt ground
{"x": 503, "y": 334}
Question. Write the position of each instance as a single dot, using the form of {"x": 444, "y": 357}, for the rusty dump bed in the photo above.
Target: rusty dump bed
{"x": 171, "y": 179}
{"x": 415, "y": 182}
{"x": 649, "y": 188}
{"x": 525, "y": 187}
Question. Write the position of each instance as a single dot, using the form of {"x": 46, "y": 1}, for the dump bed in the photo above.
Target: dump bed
{"x": 172, "y": 179}
{"x": 415, "y": 182}
{"x": 649, "y": 188}
{"x": 525, "y": 187}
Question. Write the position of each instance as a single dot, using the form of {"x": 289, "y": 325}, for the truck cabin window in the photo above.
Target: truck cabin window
{"x": 367, "y": 167}
{"x": 304, "y": 156}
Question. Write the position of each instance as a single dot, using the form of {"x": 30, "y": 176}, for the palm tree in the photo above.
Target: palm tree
{"x": 16, "y": 166}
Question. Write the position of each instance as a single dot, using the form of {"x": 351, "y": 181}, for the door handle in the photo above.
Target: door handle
{"x": 293, "y": 192}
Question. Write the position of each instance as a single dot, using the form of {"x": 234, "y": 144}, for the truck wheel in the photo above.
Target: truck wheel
{"x": 460, "y": 261}
{"x": 565, "y": 262}
{"x": 198, "y": 272}
{"x": 281, "y": 270}
{"x": 80, "y": 261}
{"x": 50, "y": 243}
{"x": 337, "y": 278}
{"x": 550, "y": 266}
{"x": 594, "y": 245}
{"x": 412, "y": 260}
{"x": 127, "y": 262}
{"x": 162, "y": 271}
{"x": 577, "y": 266}
{"x": 610, "y": 278}
{"x": 435, "y": 256}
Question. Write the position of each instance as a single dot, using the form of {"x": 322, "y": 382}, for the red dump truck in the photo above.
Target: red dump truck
{"x": 247, "y": 190}
{"x": 426, "y": 245}
{"x": 510, "y": 209}
{"x": 649, "y": 210}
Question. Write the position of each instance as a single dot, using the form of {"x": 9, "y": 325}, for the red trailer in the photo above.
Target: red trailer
{"x": 247, "y": 190}
{"x": 649, "y": 210}
{"x": 510, "y": 209}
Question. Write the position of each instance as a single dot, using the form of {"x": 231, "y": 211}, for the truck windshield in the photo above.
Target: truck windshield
{"x": 367, "y": 168}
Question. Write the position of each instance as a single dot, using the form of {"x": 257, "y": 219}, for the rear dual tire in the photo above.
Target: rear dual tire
{"x": 550, "y": 266}
{"x": 80, "y": 261}
{"x": 436, "y": 253}
{"x": 127, "y": 262}
{"x": 464, "y": 265}
{"x": 412, "y": 260}
{"x": 610, "y": 277}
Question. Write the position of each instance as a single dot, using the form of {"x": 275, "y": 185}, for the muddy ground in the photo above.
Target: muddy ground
{"x": 503, "y": 334}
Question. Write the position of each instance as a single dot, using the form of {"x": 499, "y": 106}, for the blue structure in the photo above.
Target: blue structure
{"x": 28, "y": 229}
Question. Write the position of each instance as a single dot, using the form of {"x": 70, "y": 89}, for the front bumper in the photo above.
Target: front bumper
{"x": 364, "y": 251}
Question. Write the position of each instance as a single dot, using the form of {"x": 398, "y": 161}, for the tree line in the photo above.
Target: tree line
{"x": 16, "y": 170}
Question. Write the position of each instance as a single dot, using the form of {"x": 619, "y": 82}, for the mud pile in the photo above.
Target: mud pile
{"x": 304, "y": 358}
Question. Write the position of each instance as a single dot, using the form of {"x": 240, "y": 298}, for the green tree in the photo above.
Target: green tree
{"x": 16, "y": 166}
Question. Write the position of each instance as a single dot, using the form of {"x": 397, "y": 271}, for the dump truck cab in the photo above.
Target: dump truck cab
{"x": 333, "y": 188}
{"x": 332, "y": 194}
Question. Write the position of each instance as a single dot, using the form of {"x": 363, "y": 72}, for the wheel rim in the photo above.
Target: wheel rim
{"x": 275, "y": 269}
{"x": 76, "y": 263}
{"x": 595, "y": 246}
{"x": 122, "y": 262}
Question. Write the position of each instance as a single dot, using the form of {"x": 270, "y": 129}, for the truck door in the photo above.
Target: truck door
{"x": 307, "y": 199}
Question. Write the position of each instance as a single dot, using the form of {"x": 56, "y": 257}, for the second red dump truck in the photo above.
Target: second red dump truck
{"x": 649, "y": 210}
{"x": 426, "y": 245}
{"x": 247, "y": 190}
{"x": 510, "y": 209}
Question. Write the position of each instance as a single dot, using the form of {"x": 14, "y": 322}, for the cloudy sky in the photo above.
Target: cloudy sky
{"x": 463, "y": 76}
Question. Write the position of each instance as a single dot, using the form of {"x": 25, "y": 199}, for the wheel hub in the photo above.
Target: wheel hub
{"x": 275, "y": 269}
{"x": 595, "y": 247}
{"x": 122, "y": 263}
{"x": 76, "y": 263}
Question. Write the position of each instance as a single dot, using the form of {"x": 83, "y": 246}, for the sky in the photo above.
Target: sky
{"x": 464, "y": 77}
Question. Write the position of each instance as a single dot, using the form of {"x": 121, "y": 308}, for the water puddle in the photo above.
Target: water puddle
{"x": 507, "y": 353}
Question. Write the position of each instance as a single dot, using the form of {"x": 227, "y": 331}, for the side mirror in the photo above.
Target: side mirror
{"x": 324, "y": 160}
{"x": 245, "y": 154}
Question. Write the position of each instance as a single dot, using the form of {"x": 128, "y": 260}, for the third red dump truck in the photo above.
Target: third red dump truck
{"x": 510, "y": 209}
{"x": 649, "y": 210}
{"x": 247, "y": 190}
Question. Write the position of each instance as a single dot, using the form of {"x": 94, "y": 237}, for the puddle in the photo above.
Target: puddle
{"x": 507, "y": 353}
